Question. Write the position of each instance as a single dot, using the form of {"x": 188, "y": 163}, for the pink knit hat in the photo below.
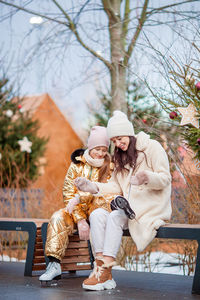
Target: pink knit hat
{"x": 98, "y": 137}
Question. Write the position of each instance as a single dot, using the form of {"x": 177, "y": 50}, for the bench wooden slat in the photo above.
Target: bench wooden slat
{"x": 38, "y": 246}
{"x": 39, "y": 260}
{"x": 38, "y": 252}
{"x": 38, "y": 239}
{"x": 74, "y": 238}
{"x": 76, "y": 259}
{"x": 73, "y": 252}
{"x": 39, "y": 233}
{"x": 78, "y": 245}
{"x": 71, "y": 267}
{"x": 39, "y": 267}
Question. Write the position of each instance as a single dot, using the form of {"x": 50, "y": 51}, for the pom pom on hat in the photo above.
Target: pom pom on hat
{"x": 119, "y": 125}
{"x": 98, "y": 137}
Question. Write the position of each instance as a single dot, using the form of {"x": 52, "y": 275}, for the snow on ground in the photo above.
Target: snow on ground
{"x": 158, "y": 262}
{"x": 7, "y": 258}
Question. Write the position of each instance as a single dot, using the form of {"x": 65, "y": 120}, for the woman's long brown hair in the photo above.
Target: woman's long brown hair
{"x": 104, "y": 171}
{"x": 121, "y": 158}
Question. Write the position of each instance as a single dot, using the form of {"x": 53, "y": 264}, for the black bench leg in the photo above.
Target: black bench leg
{"x": 31, "y": 229}
{"x": 196, "y": 280}
{"x": 91, "y": 254}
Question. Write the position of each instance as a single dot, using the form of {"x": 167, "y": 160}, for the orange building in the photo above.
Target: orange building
{"x": 62, "y": 142}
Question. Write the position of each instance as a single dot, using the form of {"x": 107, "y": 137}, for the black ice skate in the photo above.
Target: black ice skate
{"x": 122, "y": 203}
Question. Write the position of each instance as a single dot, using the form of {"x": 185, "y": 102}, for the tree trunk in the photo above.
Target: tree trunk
{"x": 118, "y": 88}
{"x": 117, "y": 52}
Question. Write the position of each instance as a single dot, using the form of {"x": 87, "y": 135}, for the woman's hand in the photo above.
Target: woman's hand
{"x": 86, "y": 185}
{"x": 72, "y": 202}
{"x": 139, "y": 178}
{"x": 83, "y": 230}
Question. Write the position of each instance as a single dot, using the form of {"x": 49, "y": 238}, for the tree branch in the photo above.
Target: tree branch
{"x": 73, "y": 29}
{"x": 32, "y": 12}
{"x": 126, "y": 21}
{"x": 156, "y": 10}
{"x": 70, "y": 25}
{"x": 141, "y": 22}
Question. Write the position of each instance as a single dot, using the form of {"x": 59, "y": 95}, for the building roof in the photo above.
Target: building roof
{"x": 63, "y": 140}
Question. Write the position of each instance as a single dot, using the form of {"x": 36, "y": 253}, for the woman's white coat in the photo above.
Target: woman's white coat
{"x": 151, "y": 202}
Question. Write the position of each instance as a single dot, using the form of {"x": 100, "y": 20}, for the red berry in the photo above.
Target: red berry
{"x": 19, "y": 106}
{"x": 198, "y": 86}
{"x": 144, "y": 121}
{"x": 172, "y": 115}
{"x": 198, "y": 141}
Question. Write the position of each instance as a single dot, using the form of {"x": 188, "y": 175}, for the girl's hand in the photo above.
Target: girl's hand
{"x": 83, "y": 230}
{"x": 72, "y": 202}
{"x": 86, "y": 185}
{"x": 139, "y": 178}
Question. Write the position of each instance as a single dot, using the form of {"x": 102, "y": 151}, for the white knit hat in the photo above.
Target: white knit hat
{"x": 119, "y": 125}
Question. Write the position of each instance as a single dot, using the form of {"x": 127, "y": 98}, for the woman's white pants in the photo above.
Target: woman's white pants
{"x": 106, "y": 230}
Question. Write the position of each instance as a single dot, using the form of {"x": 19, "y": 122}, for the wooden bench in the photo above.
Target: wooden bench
{"x": 169, "y": 231}
{"x": 183, "y": 231}
{"x": 78, "y": 255}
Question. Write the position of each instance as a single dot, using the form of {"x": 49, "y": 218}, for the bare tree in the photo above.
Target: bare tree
{"x": 115, "y": 26}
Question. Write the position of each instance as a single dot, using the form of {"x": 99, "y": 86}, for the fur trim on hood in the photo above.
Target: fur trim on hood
{"x": 75, "y": 154}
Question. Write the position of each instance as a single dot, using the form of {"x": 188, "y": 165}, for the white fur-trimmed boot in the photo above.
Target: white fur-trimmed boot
{"x": 53, "y": 271}
{"x": 101, "y": 277}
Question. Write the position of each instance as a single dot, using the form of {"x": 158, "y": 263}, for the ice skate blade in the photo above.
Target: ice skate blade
{"x": 122, "y": 203}
{"x": 53, "y": 282}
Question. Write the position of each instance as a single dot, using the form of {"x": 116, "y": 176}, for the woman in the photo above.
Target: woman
{"x": 94, "y": 164}
{"x": 142, "y": 175}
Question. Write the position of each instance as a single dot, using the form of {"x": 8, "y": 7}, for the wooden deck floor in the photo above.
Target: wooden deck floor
{"x": 130, "y": 285}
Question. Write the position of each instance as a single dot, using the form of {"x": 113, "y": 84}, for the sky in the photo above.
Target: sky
{"x": 67, "y": 72}
{"x": 71, "y": 93}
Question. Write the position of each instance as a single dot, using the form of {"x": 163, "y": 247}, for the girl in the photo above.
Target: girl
{"x": 94, "y": 164}
{"x": 142, "y": 175}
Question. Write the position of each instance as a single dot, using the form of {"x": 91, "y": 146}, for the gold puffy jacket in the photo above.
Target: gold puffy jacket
{"x": 88, "y": 202}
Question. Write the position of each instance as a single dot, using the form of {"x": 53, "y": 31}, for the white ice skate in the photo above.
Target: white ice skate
{"x": 53, "y": 271}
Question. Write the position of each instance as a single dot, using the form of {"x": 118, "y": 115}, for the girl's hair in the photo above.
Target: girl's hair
{"x": 121, "y": 158}
{"x": 104, "y": 171}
